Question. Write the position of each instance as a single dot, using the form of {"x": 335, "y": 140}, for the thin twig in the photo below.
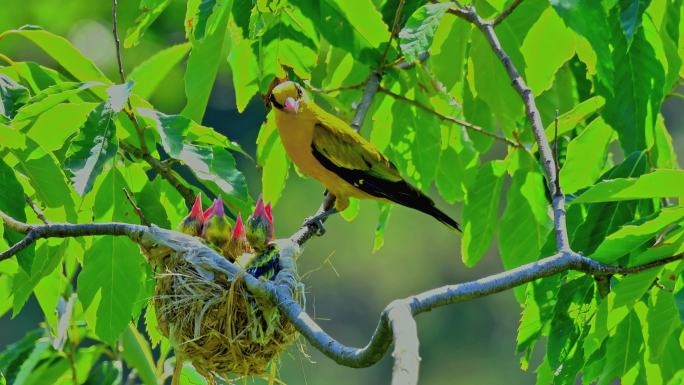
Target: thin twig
{"x": 404, "y": 65}
{"x": 506, "y": 12}
{"x": 162, "y": 170}
{"x": 117, "y": 45}
{"x": 337, "y": 89}
{"x": 555, "y": 152}
{"x": 36, "y": 209}
{"x": 460, "y": 122}
{"x": 137, "y": 209}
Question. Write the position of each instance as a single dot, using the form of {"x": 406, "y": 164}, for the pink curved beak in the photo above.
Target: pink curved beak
{"x": 291, "y": 105}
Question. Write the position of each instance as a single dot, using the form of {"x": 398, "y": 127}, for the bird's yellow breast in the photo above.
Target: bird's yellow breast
{"x": 296, "y": 133}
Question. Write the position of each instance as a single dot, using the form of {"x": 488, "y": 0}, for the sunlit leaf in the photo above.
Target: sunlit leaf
{"x": 547, "y": 46}
{"x": 586, "y": 156}
{"x": 416, "y": 36}
{"x": 52, "y": 129}
{"x": 150, "y": 10}
{"x": 63, "y": 52}
{"x": 591, "y": 22}
{"x": 481, "y": 210}
{"x": 137, "y": 354}
{"x": 631, "y": 236}
{"x": 623, "y": 350}
{"x": 148, "y": 75}
{"x": 379, "y": 239}
{"x": 203, "y": 64}
{"x": 51, "y": 97}
{"x": 96, "y": 144}
{"x": 645, "y": 186}
{"x": 112, "y": 273}
{"x": 525, "y": 224}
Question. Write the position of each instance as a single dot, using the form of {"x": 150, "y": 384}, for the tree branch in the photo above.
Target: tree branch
{"x": 533, "y": 115}
{"x": 506, "y": 12}
{"x": 460, "y": 122}
{"x": 396, "y": 322}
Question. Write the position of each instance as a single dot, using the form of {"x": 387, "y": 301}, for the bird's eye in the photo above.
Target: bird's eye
{"x": 275, "y": 103}
{"x": 299, "y": 92}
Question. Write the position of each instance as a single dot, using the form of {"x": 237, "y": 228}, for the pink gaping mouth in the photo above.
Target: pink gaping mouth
{"x": 291, "y": 105}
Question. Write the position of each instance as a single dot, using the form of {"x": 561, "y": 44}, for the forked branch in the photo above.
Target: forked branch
{"x": 396, "y": 322}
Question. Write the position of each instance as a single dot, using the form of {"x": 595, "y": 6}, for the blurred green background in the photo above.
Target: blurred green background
{"x": 347, "y": 284}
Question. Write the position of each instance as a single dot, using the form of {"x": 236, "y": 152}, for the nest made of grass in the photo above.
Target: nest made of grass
{"x": 216, "y": 322}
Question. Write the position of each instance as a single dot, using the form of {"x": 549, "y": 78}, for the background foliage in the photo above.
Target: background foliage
{"x": 67, "y": 140}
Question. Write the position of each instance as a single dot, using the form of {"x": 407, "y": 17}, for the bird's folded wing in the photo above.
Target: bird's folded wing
{"x": 344, "y": 149}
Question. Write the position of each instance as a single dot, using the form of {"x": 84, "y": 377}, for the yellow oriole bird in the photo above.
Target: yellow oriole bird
{"x": 326, "y": 148}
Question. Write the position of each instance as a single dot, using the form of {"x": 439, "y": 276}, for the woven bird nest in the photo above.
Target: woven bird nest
{"x": 211, "y": 318}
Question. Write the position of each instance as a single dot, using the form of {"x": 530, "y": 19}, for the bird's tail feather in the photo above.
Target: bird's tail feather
{"x": 438, "y": 214}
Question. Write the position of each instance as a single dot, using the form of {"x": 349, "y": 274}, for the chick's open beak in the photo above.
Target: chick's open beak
{"x": 291, "y": 105}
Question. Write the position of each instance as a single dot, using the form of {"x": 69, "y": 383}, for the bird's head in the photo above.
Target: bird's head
{"x": 192, "y": 223}
{"x": 259, "y": 226}
{"x": 287, "y": 97}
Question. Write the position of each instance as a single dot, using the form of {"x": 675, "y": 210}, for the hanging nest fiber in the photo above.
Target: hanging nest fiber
{"x": 209, "y": 316}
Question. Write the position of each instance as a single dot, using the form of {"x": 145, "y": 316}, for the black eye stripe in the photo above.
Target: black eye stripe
{"x": 275, "y": 103}
{"x": 299, "y": 92}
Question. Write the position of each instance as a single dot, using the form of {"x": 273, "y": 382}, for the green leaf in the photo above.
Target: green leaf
{"x": 52, "y": 129}
{"x": 455, "y": 164}
{"x": 31, "y": 361}
{"x": 151, "y": 9}
{"x": 15, "y": 354}
{"x": 604, "y": 218}
{"x": 12, "y": 204}
{"x": 629, "y": 237}
{"x": 51, "y": 97}
{"x": 63, "y": 52}
{"x": 571, "y": 119}
{"x": 272, "y": 157}
{"x": 571, "y": 315}
{"x": 95, "y": 145}
{"x": 47, "y": 257}
{"x": 202, "y": 66}
{"x": 663, "y": 320}
{"x": 416, "y": 36}
{"x": 540, "y": 302}
{"x": 663, "y": 149}
{"x": 547, "y": 46}
{"x": 216, "y": 167}
{"x": 368, "y": 24}
{"x": 49, "y": 182}
{"x": 12, "y": 96}
{"x": 586, "y": 156}
{"x": 623, "y": 349}
{"x": 525, "y": 224}
{"x": 137, "y": 354}
{"x": 204, "y": 12}
{"x": 448, "y": 51}
{"x": 244, "y": 68}
{"x": 111, "y": 279}
{"x": 149, "y": 198}
{"x": 105, "y": 373}
{"x": 383, "y": 217}
{"x": 148, "y": 75}
{"x": 590, "y": 21}
{"x": 639, "y": 81}
{"x": 481, "y": 210}
{"x": 110, "y": 201}
{"x": 645, "y": 186}
{"x": 631, "y": 12}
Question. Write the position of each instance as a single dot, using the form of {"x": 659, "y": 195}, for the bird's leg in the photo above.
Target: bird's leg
{"x": 326, "y": 210}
